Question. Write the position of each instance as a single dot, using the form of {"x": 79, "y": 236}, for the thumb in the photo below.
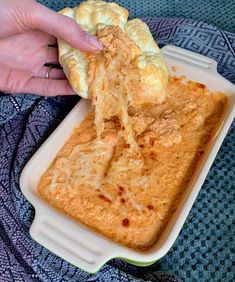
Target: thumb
{"x": 64, "y": 28}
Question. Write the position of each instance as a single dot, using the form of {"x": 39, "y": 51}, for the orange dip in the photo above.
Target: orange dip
{"x": 130, "y": 198}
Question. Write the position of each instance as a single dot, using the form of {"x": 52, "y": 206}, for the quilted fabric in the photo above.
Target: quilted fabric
{"x": 217, "y": 12}
{"x": 204, "y": 250}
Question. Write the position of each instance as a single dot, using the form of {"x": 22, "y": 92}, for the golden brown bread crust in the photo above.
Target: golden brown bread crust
{"x": 94, "y": 15}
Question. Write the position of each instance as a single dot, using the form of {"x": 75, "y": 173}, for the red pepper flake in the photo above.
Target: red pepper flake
{"x": 121, "y": 188}
{"x": 150, "y": 207}
{"x": 122, "y": 200}
{"x": 141, "y": 145}
{"x": 151, "y": 142}
{"x": 200, "y": 85}
{"x": 125, "y": 222}
{"x": 127, "y": 146}
{"x": 104, "y": 198}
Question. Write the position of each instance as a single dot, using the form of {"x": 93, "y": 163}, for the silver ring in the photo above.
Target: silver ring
{"x": 48, "y": 72}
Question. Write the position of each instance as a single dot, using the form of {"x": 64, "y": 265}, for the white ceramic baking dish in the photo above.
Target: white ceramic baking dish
{"x": 81, "y": 246}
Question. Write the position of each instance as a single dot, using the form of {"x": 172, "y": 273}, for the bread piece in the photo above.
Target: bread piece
{"x": 153, "y": 69}
{"x": 95, "y": 15}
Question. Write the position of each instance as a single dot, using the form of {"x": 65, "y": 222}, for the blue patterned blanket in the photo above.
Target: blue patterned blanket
{"x": 204, "y": 250}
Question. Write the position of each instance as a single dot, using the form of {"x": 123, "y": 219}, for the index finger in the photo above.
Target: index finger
{"x": 65, "y": 28}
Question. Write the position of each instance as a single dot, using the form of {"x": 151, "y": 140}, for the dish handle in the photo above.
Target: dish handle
{"x": 190, "y": 58}
{"x": 81, "y": 247}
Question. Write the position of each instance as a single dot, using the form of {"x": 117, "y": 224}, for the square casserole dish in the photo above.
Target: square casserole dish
{"x": 80, "y": 245}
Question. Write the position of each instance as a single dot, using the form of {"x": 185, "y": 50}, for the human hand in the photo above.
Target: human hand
{"x": 26, "y": 36}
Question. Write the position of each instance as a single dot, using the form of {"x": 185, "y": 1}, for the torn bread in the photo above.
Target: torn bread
{"x": 95, "y": 15}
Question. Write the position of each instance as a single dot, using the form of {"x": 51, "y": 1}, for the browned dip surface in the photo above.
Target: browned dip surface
{"x": 130, "y": 198}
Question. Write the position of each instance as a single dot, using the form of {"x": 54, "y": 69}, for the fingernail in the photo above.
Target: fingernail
{"x": 95, "y": 42}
